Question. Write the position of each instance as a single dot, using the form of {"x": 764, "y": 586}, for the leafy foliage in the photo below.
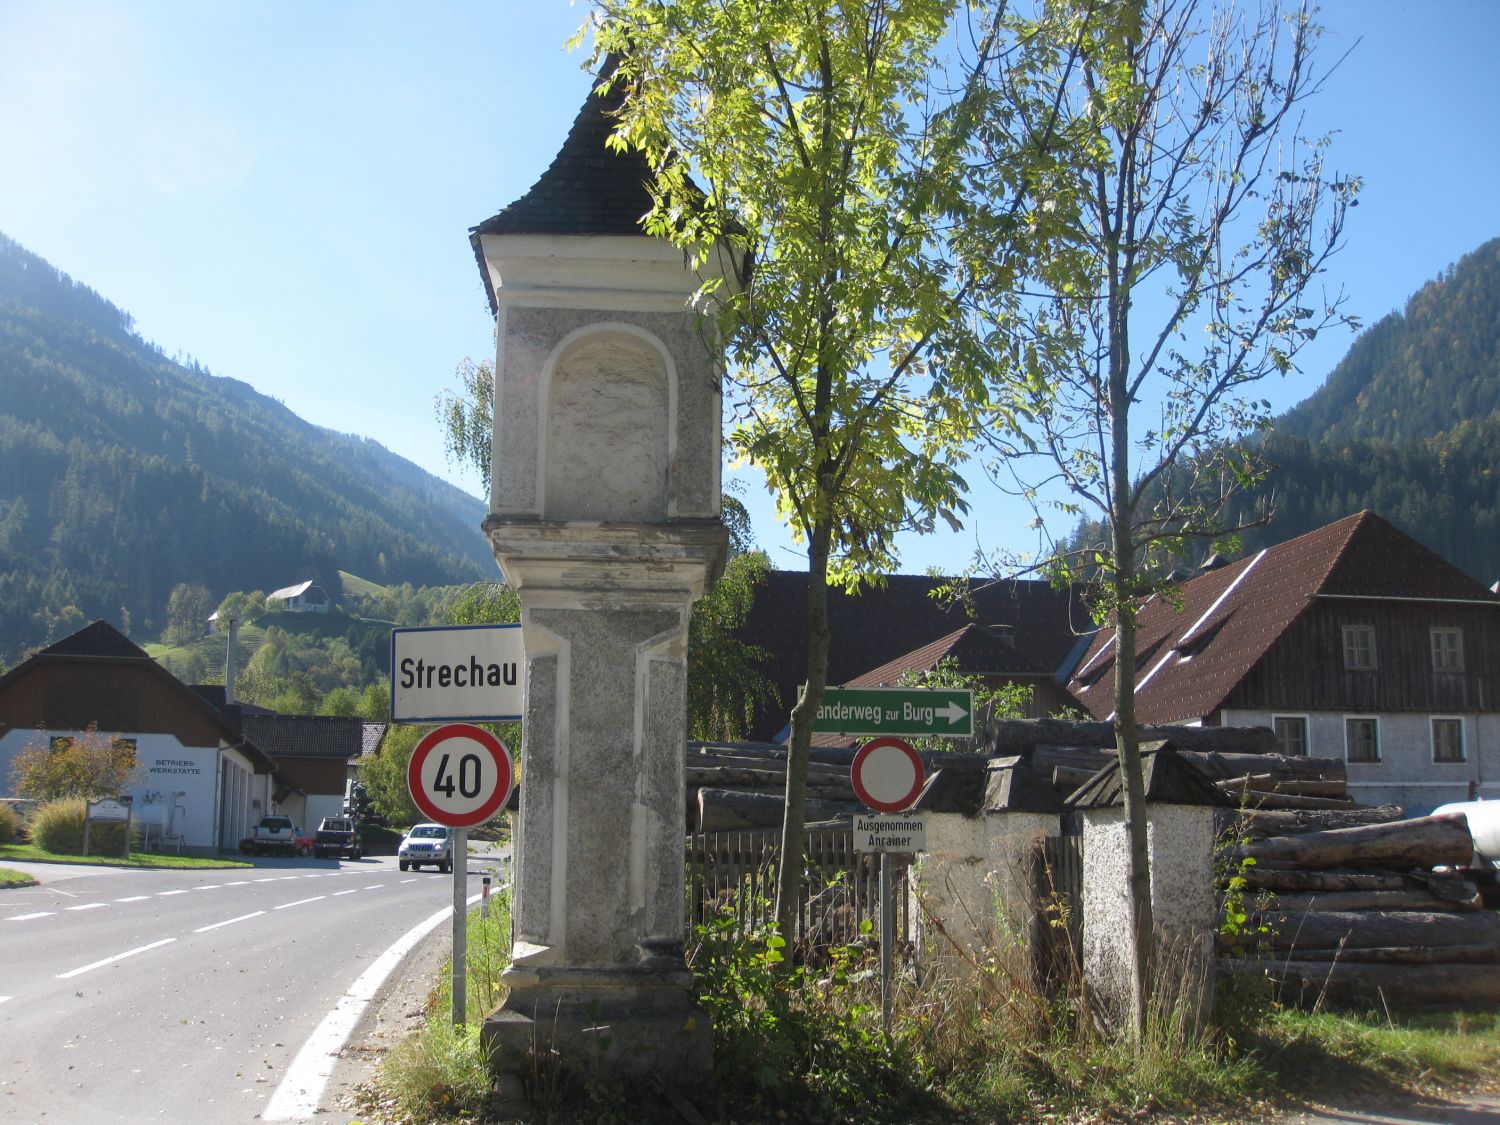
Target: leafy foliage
{"x": 86, "y": 766}
{"x": 58, "y": 827}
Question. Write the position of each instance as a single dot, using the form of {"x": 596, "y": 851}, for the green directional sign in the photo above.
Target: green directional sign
{"x": 917, "y": 711}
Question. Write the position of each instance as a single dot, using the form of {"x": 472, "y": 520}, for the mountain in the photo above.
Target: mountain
{"x": 1407, "y": 425}
{"x": 123, "y": 473}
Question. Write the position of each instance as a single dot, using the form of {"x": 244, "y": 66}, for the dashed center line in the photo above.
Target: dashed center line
{"x": 29, "y": 917}
{"x": 238, "y": 883}
{"x": 299, "y": 902}
{"x": 209, "y": 887}
{"x": 3, "y": 999}
{"x": 134, "y": 898}
{"x": 272, "y": 879}
{"x": 350, "y": 891}
{"x": 228, "y": 922}
{"x": 165, "y": 894}
{"x": 116, "y": 957}
{"x": 408, "y": 880}
{"x": 88, "y": 906}
{"x": 374, "y": 886}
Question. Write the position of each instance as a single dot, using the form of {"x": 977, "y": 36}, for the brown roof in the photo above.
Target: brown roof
{"x": 878, "y": 625}
{"x": 1167, "y": 776}
{"x": 100, "y": 643}
{"x": 305, "y": 736}
{"x": 1189, "y": 661}
{"x": 974, "y": 651}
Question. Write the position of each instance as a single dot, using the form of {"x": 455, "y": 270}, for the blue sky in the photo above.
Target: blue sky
{"x": 283, "y": 190}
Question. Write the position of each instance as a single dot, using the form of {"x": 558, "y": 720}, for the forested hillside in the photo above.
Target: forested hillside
{"x": 1407, "y": 424}
{"x": 123, "y": 474}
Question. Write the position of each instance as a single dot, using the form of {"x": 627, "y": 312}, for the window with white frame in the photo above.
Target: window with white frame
{"x": 1362, "y": 739}
{"x": 1447, "y": 740}
{"x": 1291, "y": 732}
{"x": 1447, "y": 650}
{"x": 1359, "y": 647}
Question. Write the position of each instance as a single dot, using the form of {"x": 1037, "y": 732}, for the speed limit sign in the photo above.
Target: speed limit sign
{"x": 460, "y": 775}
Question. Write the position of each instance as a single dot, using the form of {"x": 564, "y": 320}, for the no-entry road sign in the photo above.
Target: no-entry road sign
{"x": 887, "y": 774}
{"x": 460, "y": 775}
{"x": 910, "y": 711}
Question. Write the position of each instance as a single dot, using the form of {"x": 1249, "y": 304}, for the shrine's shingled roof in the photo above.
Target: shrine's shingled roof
{"x": 1191, "y": 660}
{"x": 589, "y": 189}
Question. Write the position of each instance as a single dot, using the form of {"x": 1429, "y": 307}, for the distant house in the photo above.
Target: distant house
{"x": 989, "y": 655}
{"x": 203, "y": 782}
{"x": 1028, "y": 628}
{"x": 1353, "y": 641}
{"x": 315, "y": 759}
{"x": 305, "y": 597}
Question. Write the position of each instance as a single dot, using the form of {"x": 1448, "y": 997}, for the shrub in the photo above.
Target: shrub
{"x": 10, "y": 824}
{"x": 89, "y": 765}
{"x": 57, "y": 827}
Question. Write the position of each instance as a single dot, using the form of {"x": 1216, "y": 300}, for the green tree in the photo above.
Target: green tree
{"x": 88, "y": 765}
{"x": 384, "y": 775}
{"x": 1185, "y": 219}
{"x": 829, "y": 150}
{"x": 188, "y": 608}
{"x": 243, "y": 606}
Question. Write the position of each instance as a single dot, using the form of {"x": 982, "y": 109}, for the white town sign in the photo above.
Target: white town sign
{"x": 457, "y": 672}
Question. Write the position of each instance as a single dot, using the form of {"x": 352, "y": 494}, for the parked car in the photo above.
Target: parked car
{"x": 337, "y": 835}
{"x": 430, "y": 844}
{"x": 276, "y": 835}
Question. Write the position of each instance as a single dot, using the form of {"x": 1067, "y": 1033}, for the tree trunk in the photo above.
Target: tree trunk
{"x": 1311, "y": 981}
{"x": 1260, "y": 823}
{"x": 789, "y": 867}
{"x": 727, "y": 810}
{"x": 1405, "y": 898}
{"x": 1353, "y": 929}
{"x": 1426, "y": 842}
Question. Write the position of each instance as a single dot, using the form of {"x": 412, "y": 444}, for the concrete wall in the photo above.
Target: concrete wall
{"x": 976, "y": 887}
{"x": 1180, "y": 845}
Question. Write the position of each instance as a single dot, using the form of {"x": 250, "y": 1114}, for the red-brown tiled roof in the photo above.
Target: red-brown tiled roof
{"x": 974, "y": 650}
{"x": 1189, "y": 661}
{"x": 880, "y": 623}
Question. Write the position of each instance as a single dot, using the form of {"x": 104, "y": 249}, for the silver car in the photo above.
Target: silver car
{"x": 431, "y": 844}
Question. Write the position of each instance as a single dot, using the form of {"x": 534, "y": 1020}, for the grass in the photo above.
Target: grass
{"x": 137, "y": 859}
{"x": 352, "y": 585}
{"x": 10, "y": 877}
{"x": 983, "y": 1044}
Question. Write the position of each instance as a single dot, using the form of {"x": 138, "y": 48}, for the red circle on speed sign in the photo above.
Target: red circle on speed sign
{"x": 887, "y": 774}
{"x": 460, "y": 775}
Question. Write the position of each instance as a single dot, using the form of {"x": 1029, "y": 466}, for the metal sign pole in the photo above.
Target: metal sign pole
{"x": 887, "y": 939}
{"x": 460, "y": 972}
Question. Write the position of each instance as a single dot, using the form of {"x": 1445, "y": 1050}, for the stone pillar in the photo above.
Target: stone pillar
{"x": 978, "y": 889}
{"x": 1180, "y": 841}
{"x": 597, "y": 971}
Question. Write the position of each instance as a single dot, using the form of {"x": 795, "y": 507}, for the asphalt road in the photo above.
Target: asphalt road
{"x": 133, "y": 996}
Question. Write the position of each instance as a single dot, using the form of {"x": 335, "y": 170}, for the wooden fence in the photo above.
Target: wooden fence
{"x": 736, "y": 871}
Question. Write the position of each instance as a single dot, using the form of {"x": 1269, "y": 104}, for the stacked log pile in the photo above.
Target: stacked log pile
{"x": 1357, "y": 913}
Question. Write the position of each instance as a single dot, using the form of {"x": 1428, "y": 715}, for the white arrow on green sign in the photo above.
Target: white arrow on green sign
{"x": 917, "y": 711}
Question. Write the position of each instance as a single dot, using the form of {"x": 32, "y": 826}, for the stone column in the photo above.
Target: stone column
{"x": 598, "y": 972}
{"x": 1180, "y": 840}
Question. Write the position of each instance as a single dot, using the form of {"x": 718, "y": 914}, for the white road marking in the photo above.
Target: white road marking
{"x": 228, "y": 922}
{"x": 299, "y": 902}
{"x": 272, "y": 879}
{"x": 302, "y": 1086}
{"x": 164, "y": 894}
{"x": 29, "y": 917}
{"x": 88, "y": 906}
{"x": 408, "y": 880}
{"x": 374, "y": 886}
{"x": 116, "y": 957}
{"x": 3, "y": 999}
{"x": 134, "y": 898}
{"x": 284, "y": 878}
{"x": 209, "y": 887}
{"x": 237, "y": 883}
{"x": 350, "y": 891}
